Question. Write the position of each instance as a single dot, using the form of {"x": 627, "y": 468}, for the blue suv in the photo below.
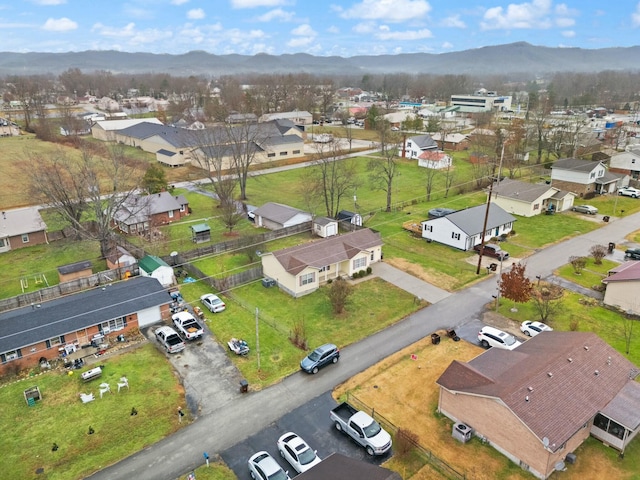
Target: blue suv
{"x": 321, "y": 356}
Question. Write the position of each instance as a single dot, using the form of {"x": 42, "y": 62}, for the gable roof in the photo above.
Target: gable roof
{"x": 111, "y": 125}
{"x": 424, "y": 141}
{"x": 29, "y": 325}
{"x": 624, "y": 406}
{"x": 151, "y": 263}
{"x": 74, "y": 267}
{"x": 138, "y": 208}
{"x": 340, "y": 467}
{"x": 277, "y": 212}
{"x": 627, "y": 271}
{"x": 575, "y": 164}
{"x": 471, "y": 220}
{"x": 433, "y": 155}
{"x": 553, "y": 383}
{"x": 327, "y": 251}
{"x": 517, "y": 190}
{"x": 450, "y": 137}
{"x": 20, "y": 221}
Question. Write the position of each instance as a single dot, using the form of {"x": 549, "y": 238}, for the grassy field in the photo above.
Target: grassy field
{"x": 61, "y": 418}
{"x": 279, "y": 313}
{"x": 591, "y": 275}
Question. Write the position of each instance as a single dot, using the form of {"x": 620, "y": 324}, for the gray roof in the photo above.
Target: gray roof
{"x": 29, "y": 325}
{"x": 609, "y": 177}
{"x": 471, "y": 220}
{"x": 138, "y": 208}
{"x": 277, "y": 212}
{"x": 424, "y": 141}
{"x": 19, "y": 221}
{"x": 166, "y": 153}
{"x": 340, "y": 467}
{"x": 323, "y": 221}
{"x": 575, "y": 164}
{"x": 625, "y": 407}
{"x": 74, "y": 267}
{"x": 517, "y": 190}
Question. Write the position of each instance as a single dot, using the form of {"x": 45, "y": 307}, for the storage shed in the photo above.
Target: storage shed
{"x": 155, "y": 267}
{"x": 325, "y": 227}
{"x": 72, "y": 271}
{"x": 200, "y": 233}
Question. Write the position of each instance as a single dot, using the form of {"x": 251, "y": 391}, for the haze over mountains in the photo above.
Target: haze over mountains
{"x": 499, "y": 59}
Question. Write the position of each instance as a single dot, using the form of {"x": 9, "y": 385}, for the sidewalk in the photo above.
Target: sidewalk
{"x": 409, "y": 283}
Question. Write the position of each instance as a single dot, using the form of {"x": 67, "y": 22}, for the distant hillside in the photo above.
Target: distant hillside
{"x": 510, "y": 58}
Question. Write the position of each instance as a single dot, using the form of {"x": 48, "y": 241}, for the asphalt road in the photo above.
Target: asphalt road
{"x": 248, "y": 414}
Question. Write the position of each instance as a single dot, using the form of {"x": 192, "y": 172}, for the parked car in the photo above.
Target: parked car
{"x": 588, "y": 209}
{"x": 263, "y": 466}
{"x": 321, "y": 356}
{"x": 296, "y": 451}
{"x": 212, "y": 302}
{"x": 492, "y": 250}
{"x": 169, "y": 339}
{"x": 362, "y": 428}
{"x": 531, "y": 328}
{"x": 629, "y": 192}
{"x": 440, "y": 212}
{"x": 632, "y": 253}
{"x": 492, "y": 337}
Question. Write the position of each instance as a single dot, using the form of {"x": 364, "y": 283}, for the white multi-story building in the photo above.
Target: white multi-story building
{"x": 482, "y": 100}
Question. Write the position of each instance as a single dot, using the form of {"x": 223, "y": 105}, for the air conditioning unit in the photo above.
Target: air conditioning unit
{"x": 462, "y": 432}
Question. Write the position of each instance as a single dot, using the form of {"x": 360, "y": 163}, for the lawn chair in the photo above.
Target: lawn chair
{"x": 104, "y": 388}
{"x": 123, "y": 383}
{"x": 87, "y": 397}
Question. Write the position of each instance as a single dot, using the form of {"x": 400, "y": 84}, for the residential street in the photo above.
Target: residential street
{"x": 231, "y": 422}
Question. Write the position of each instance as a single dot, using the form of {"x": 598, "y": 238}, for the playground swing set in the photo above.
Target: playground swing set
{"x": 38, "y": 280}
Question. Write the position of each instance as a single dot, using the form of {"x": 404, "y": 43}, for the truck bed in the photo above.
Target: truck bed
{"x": 344, "y": 411}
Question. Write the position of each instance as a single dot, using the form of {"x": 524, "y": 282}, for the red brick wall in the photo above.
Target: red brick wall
{"x": 35, "y": 238}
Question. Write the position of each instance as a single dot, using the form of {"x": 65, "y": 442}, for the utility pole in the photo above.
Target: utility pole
{"x": 258, "y": 337}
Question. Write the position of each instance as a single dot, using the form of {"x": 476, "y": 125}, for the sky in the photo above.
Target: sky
{"x": 319, "y": 27}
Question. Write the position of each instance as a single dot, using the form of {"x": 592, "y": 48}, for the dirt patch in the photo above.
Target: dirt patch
{"x": 402, "y": 389}
{"x": 442, "y": 280}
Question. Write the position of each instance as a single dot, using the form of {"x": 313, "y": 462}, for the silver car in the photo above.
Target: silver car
{"x": 588, "y": 209}
{"x": 262, "y": 466}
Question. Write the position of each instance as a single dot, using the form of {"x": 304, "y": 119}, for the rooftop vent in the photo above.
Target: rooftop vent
{"x": 596, "y": 373}
{"x": 570, "y": 359}
{"x": 549, "y": 374}
{"x": 526, "y": 399}
{"x": 530, "y": 389}
{"x": 586, "y": 348}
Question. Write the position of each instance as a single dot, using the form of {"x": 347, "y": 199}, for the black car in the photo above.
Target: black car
{"x": 321, "y": 356}
{"x": 492, "y": 250}
{"x": 632, "y": 253}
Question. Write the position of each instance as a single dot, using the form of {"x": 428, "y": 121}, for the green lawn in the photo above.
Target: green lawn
{"x": 591, "y": 275}
{"x": 35, "y": 264}
{"x": 278, "y": 312}
{"x": 61, "y": 418}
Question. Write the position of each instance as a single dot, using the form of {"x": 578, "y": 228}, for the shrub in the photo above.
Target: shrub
{"x": 405, "y": 440}
{"x": 574, "y": 323}
{"x": 369, "y": 270}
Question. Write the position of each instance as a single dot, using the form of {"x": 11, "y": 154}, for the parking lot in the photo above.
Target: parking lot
{"x": 311, "y": 421}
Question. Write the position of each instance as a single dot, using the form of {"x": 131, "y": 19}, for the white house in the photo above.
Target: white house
{"x": 623, "y": 284}
{"x": 627, "y": 162}
{"x": 577, "y": 176}
{"x": 463, "y": 229}
{"x": 415, "y": 146}
{"x": 434, "y": 159}
{"x": 529, "y": 199}
{"x": 276, "y": 215}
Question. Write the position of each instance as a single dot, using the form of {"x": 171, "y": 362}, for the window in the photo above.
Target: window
{"x": 283, "y": 154}
{"x": 325, "y": 269}
{"x": 593, "y": 175}
{"x": 428, "y": 228}
{"x": 3, "y": 242}
{"x": 296, "y": 152}
{"x": 271, "y": 155}
{"x": 372, "y": 256}
{"x": 455, "y": 236}
{"x": 52, "y": 342}
{"x": 25, "y": 238}
{"x": 170, "y": 213}
{"x": 12, "y": 355}
{"x": 182, "y": 208}
{"x": 536, "y": 206}
{"x": 112, "y": 325}
{"x": 307, "y": 279}
{"x": 359, "y": 263}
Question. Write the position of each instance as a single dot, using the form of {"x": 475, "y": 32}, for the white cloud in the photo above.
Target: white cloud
{"x": 563, "y": 10}
{"x": 333, "y": 29}
{"x": 303, "y": 30}
{"x": 453, "y": 21}
{"x": 569, "y": 34}
{"x": 299, "y": 42}
{"x": 385, "y": 34}
{"x": 276, "y": 14}
{"x": 388, "y": 10}
{"x": 196, "y": 14}
{"x": 635, "y": 16}
{"x": 447, "y": 45}
{"x": 49, "y": 2}
{"x": 364, "y": 27}
{"x": 565, "y": 22}
{"x": 178, "y": 2}
{"x": 59, "y": 25}
{"x": 524, "y": 15}
{"x": 126, "y": 31}
{"x": 257, "y": 3}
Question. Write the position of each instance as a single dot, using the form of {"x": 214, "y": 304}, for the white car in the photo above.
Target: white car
{"x": 531, "y": 328}
{"x": 212, "y": 302}
{"x": 629, "y": 192}
{"x": 296, "y": 451}
{"x": 492, "y": 337}
{"x": 262, "y": 466}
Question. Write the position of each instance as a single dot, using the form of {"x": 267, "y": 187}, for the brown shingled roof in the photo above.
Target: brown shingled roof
{"x": 554, "y": 383}
{"x": 327, "y": 251}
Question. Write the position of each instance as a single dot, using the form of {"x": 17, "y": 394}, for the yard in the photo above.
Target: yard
{"x": 59, "y": 445}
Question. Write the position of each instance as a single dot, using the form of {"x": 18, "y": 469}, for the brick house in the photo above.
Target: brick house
{"x": 577, "y": 176}
{"x": 21, "y": 227}
{"x": 138, "y": 214}
{"x": 538, "y": 403}
{"x": 37, "y": 333}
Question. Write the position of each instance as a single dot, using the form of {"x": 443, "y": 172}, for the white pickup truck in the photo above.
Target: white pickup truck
{"x": 187, "y": 325}
{"x": 362, "y": 428}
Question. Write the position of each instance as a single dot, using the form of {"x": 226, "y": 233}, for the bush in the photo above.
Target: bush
{"x": 369, "y": 270}
{"x": 405, "y": 441}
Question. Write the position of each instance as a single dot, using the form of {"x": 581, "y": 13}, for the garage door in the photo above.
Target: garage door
{"x": 149, "y": 316}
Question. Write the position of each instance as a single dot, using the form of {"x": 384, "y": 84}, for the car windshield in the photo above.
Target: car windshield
{"x": 509, "y": 340}
{"x": 372, "y": 430}
{"x": 307, "y": 456}
{"x": 314, "y": 356}
{"x": 215, "y": 301}
{"x": 279, "y": 475}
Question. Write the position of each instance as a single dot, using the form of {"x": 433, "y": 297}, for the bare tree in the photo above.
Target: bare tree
{"x": 628, "y": 322}
{"x": 430, "y": 175}
{"x": 95, "y": 185}
{"x": 383, "y": 171}
{"x": 339, "y": 293}
{"x": 246, "y": 141}
{"x": 578, "y": 263}
{"x": 449, "y": 178}
{"x": 547, "y": 300}
{"x": 598, "y": 252}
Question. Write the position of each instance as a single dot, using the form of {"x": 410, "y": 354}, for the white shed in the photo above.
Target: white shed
{"x": 152, "y": 266}
{"x": 325, "y": 227}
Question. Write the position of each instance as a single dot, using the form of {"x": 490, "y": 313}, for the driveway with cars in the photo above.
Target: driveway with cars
{"x": 231, "y": 423}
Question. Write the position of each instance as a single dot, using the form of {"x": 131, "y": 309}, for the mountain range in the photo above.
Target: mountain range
{"x": 510, "y": 58}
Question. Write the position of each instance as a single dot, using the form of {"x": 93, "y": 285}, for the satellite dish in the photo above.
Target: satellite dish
{"x": 545, "y": 442}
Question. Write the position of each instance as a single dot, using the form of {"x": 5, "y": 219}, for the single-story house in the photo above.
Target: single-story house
{"x": 340, "y": 467}
{"x": 119, "y": 257}
{"x": 627, "y": 162}
{"x": 42, "y": 331}
{"x": 273, "y": 216}
{"x": 414, "y": 146}
{"x": 140, "y": 213}
{"x": 302, "y": 269}
{"x": 152, "y": 266}
{"x": 538, "y": 403}
{"x": 325, "y": 227}
{"x": 452, "y": 141}
{"x": 623, "y": 284}
{"x": 576, "y": 175}
{"x": 73, "y": 271}
{"x": 434, "y": 159}
{"x": 463, "y": 229}
{"x": 21, "y": 227}
{"x": 105, "y": 130}
{"x": 300, "y": 118}
{"x": 529, "y": 199}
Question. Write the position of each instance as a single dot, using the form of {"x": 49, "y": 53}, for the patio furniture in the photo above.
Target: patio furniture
{"x": 123, "y": 383}
{"x": 87, "y": 397}
{"x": 104, "y": 388}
